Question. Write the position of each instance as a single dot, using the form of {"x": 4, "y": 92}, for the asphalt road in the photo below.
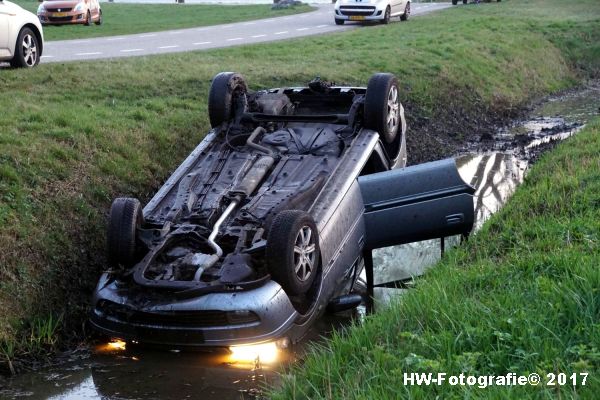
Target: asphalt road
{"x": 316, "y": 22}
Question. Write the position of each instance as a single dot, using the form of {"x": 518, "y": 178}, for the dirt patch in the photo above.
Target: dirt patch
{"x": 449, "y": 128}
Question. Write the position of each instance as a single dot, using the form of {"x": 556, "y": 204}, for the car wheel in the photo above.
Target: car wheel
{"x": 125, "y": 218}
{"x": 465, "y": 1}
{"x": 454, "y": 2}
{"x": 382, "y": 106}
{"x": 226, "y": 89}
{"x": 99, "y": 22}
{"x": 386, "y": 16}
{"x": 88, "y": 20}
{"x": 26, "y": 50}
{"x": 404, "y": 17}
{"x": 339, "y": 21}
{"x": 293, "y": 251}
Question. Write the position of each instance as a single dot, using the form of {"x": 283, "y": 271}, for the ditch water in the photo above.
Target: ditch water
{"x": 495, "y": 166}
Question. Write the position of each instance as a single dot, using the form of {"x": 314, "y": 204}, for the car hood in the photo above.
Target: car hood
{"x": 60, "y": 4}
{"x": 13, "y": 6}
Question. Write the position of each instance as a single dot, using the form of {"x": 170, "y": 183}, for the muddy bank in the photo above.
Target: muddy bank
{"x": 467, "y": 125}
{"x": 464, "y": 118}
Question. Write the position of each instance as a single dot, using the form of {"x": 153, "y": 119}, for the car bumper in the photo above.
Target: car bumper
{"x": 211, "y": 320}
{"x": 75, "y": 17}
{"x": 360, "y": 13}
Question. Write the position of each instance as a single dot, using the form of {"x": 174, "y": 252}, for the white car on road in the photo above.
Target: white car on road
{"x": 21, "y": 36}
{"x": 371, "y": 10}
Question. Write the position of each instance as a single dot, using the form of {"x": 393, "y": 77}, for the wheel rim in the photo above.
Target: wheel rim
{"x": 387, "y": 14}
{"x": 304, "y": 253}
{"x": 29, "y": 50}
{"x": 393, "y": 107}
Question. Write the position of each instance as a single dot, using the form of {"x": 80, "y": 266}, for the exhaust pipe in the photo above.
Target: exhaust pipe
{"x": 213, "y": 235}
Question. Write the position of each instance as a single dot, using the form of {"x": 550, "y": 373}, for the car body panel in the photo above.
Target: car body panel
{"x": 417, "y": 203}
{"x": 269, "y": 302}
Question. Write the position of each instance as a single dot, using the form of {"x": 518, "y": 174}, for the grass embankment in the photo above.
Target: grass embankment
{"x": 123, "y": 19}
{"x": 70, "y": 143}
{"x": 522, "y": 296}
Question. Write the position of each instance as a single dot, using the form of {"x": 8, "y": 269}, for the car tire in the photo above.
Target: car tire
{"x": 99, "y": 22}
{"x": 27, "y": 53}
{"x": 382, "y": 101}
{"x": 88, "y": 20}
{"x": 387, "y": 16}
{"x": 293, "y": 252}
{"x": 125, "y": 218}
{"x": 339, "y": 21}
{"x": 225, "y": 90}
{"x": 465, "y": 1}
{"x": 406, "y": 15}
{"x": 454, "y": 2}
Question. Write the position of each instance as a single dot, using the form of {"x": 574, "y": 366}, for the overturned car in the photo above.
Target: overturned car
{"x": 270, "y": 217}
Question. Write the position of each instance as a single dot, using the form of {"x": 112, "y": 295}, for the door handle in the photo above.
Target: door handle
{"x": 455, "y": 219}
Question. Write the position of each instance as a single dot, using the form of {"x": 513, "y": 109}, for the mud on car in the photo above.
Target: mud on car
{"x": 269, "y": 218}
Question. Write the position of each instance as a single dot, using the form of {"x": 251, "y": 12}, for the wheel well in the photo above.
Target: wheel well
{"x": 376, "y": 163}
{"x": 38, "y": 36}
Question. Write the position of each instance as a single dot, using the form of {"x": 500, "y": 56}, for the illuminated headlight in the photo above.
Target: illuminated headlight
{"x": 78, "y": 7}
{"x": 252, "y": 353}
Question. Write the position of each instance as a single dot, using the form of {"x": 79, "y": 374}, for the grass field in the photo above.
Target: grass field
{"x": 75, "y": 135}
{"x": 122, "y": 19}
{"x": 522, "y": 296}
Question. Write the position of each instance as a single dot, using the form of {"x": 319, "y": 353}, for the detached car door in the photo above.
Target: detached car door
{"x": 421, "y": 202}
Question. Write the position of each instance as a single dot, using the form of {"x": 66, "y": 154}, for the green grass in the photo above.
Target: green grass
{"x": 75, "y": 135}
{"x": 522, "y": 296}
{"x": 122, "y": 19}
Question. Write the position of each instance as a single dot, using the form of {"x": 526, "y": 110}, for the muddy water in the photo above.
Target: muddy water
{"x": 107, "y": 372}
{"x": 495, "y": 166}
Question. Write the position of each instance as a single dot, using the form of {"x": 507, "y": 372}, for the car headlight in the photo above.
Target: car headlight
{"x": 41, "y": 9}
{"x": 78, "y": 7}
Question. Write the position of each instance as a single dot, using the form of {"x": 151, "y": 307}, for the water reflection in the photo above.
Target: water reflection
{"x": 495, "y": 177}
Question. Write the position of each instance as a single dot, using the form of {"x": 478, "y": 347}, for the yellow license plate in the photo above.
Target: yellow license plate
{"x": 61, "y": 14}
{"x": 357, "y": 18}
